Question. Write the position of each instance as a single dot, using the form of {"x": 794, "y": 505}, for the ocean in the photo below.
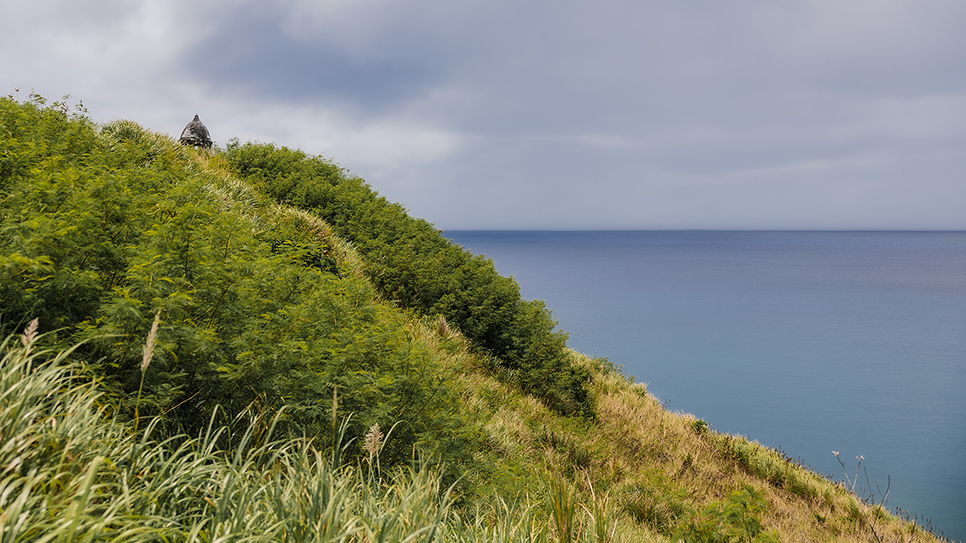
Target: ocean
{"x": 807, "y": 342}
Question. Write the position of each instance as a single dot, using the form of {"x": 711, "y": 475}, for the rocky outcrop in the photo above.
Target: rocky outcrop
{"x": 196, "y": 134}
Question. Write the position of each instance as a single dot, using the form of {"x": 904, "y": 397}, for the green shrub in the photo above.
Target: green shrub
{"x": 700, "y": 427}
{"x": 411, "y": 263}
{"x": 101, "y": 229}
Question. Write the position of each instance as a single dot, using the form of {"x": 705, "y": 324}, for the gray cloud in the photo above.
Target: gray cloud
{"x": 813, "y": 114}
{"x": 251, "y": 52}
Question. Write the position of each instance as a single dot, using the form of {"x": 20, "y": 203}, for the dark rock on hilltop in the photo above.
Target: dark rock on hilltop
{"x": 196, "y": 134}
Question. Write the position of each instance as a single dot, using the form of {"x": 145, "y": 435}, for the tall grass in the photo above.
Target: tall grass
{"x": 71, "y": 472}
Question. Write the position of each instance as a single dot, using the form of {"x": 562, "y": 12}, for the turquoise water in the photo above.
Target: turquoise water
{"x": 805, "y": 341}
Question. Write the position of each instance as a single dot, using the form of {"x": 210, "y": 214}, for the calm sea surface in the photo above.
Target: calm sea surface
{"x": 805, "y": 341}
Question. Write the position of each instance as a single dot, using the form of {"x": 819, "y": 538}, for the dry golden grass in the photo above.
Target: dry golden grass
{"x": 643, "y": 458}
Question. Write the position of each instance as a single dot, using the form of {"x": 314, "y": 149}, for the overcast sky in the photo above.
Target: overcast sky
{"x": 762, "y": 114}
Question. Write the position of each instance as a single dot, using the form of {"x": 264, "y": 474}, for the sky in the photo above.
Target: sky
{"x": 538, "y": 114}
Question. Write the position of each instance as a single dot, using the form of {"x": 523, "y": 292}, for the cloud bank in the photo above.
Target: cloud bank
{"x": 817, "y": 114}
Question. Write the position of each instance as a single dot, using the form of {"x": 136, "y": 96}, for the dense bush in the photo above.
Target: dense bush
{"x": 102, "y": 229}
{"x": 412, "y": 264}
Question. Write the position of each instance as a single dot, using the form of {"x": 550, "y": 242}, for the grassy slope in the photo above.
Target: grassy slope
{"x": 654, "y": 466}
{"x": 648, "y": 468}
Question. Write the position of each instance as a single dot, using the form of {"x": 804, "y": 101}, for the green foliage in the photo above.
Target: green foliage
{"x": 35, "y": 137}
{"x": 700, "y": 427}
{"x": 101, "y": 229}
{"x": 562, "y": 499}
{"x": 411, "y": 263}
{"x": 733, "y": 521}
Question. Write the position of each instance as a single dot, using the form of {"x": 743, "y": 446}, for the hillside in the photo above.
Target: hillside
{"x": 337, "y": 363}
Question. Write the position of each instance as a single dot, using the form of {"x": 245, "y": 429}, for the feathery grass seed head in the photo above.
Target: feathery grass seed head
{"x": 149, "y": 345}
{"x": 373, "y": 440}
{"x": 30, "y": 334}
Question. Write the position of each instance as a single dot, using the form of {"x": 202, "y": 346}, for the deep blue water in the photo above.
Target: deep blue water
{"x": 805, "y": 341}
